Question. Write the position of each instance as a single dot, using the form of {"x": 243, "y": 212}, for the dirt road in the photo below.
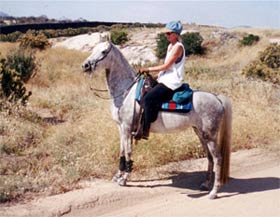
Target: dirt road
{"x": 171, "y": 191}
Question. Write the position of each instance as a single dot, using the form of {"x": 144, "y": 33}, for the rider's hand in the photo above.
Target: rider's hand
{"x": 144, "y": 70}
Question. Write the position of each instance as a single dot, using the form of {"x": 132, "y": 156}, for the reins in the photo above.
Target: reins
{"x": 119, "y": 95}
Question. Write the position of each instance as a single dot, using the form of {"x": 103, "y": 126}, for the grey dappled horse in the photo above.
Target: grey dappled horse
{"x": 210, "y": 117}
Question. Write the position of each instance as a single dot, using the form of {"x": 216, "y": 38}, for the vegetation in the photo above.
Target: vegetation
{"x": 191, "y": 41}
{"x": 119, "y": 36}
{"x": 15, "y": 70}
{"x": 162, "y": 44}
{"x": 65, "y": 133}
{"x": 33, "y": 40}
{"x": 249, "y": 40}
{"x": 28, "y": 20}
{"x": 51, "y": 28}
{"x": 267, "y": 66}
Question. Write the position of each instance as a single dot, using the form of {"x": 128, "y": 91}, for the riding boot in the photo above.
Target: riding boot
{"x": 139, "y": 131}
{"x": 142, "y": 131}
{"x": 145, "y": 134}
{"x": 146, "y": 130}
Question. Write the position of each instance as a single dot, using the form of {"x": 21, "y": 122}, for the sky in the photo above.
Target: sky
{"x": 223, "y": 13}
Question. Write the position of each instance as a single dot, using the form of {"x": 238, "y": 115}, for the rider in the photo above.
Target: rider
{"x": 170, "y": 77}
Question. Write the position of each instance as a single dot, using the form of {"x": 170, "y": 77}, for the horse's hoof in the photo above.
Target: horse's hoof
{"x": 203, "y": 187}
{"x": 122, "y": 181}
{"x": 116, "y": 178}
{"x": 212, "y": 196}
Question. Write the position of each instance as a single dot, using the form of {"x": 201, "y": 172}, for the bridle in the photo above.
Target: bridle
{"x": 92, "y": 64}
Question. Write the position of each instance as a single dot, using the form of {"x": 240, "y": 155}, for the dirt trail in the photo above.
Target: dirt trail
{"x": 172, "y": 190}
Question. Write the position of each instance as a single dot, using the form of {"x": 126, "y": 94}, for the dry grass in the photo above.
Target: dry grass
{"x": 66, "y": 133}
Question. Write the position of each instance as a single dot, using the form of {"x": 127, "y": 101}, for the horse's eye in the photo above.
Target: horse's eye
{"x": 104, "y": 52}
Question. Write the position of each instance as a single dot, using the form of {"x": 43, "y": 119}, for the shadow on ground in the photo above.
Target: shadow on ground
{"x": 192, "y": 181}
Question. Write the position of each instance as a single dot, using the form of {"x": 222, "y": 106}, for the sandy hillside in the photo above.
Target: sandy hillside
{"x": 139, "y": 49}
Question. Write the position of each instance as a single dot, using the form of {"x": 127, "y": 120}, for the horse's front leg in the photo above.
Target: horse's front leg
{"x": 126, "y": 173}
{"x": 125, "y": 163}
{"x": 121, "y": 169}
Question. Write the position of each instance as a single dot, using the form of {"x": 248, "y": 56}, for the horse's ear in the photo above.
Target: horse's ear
{"x": 105, "y": 36}
{"x": 109, "y": 37}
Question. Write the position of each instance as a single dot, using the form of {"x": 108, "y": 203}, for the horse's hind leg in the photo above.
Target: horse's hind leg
{"x": 217, "y": 159}
{"x": 206, "y": 185}
{"x": 209, "y": 144}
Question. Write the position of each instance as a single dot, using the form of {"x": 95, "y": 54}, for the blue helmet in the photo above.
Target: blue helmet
{"x": 174, "y": 26}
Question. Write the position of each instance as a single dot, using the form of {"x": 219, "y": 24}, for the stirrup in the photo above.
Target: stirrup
{"x": 137, "y": 135}
{"x": 140, "y": 134}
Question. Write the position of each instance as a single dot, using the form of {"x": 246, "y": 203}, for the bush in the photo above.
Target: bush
{"x": 12, "y": 37}
{"x": 191, "y": 41}
{"x": 267, "y": 66}
{"x": 23, "y": 62}
{"x": 249, "y": 40}
{"x": 33, "y": 40}
{"x": 119, "y": 37}
{"x": 14, "y": 72}
{"x": 162, "y": 44}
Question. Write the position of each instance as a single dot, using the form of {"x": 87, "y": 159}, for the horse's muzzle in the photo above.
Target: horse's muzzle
{"x": 86, "y": 67}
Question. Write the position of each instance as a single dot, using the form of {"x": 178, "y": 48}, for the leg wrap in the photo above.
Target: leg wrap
{"x": 122, "y": 165}
{"x": 128, "y": 166}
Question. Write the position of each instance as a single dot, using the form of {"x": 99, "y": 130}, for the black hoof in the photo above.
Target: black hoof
{"x": 203, "y": 188}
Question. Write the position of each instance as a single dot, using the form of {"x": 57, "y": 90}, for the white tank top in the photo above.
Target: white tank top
{"x": 173, "y": 77}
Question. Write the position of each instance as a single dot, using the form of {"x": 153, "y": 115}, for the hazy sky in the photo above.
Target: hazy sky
{"x": 219, "y": 12}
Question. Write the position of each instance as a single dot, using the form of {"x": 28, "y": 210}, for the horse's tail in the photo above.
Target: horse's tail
{"x": 225, "y": 138}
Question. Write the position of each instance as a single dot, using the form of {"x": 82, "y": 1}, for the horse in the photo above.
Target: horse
{"x": 210, "y": 117}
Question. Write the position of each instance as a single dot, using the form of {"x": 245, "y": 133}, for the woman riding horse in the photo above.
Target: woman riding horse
{"x": 169, "y": 79}
{"x": 210, "y": 116}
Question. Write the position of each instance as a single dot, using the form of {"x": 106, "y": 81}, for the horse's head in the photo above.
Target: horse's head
{"x": 99, "y": 53}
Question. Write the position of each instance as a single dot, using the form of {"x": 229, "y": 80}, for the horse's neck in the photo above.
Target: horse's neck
{"x": 120, "y": 77}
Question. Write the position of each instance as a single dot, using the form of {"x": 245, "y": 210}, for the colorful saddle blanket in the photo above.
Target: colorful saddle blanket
{"x": 183, "y": 95}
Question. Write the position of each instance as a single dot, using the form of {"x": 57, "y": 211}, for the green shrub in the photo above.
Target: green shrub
{"x": 34, "y": 40}
{"x": 267, "y": 66}
{"x": 118, "y": 37}
{"x": 23, "y": 62}
{"x": 249, "y": 40}
{"x": 12, "y": 37}
{"x": 14, "y": 72}
{"x": 162, "y": 44}
{"x": 191, "y": 41}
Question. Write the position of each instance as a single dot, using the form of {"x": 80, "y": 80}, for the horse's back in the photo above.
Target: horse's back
{"x": 207, "y": 112}
{"x": 207, "y": 103}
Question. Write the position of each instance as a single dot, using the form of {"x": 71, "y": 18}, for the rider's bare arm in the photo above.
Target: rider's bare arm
{"x": 177, "y": 53}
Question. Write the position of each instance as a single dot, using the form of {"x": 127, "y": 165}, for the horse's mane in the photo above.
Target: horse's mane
{"x": 124, "y": 63}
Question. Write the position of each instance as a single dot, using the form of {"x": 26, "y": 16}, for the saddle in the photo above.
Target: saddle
{"x": 181, "y": 100}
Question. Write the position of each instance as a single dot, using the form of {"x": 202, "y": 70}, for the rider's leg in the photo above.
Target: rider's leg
{"x": 152, "y": 104}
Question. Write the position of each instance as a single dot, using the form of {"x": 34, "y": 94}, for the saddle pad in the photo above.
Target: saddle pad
{"x": 172, "y": 106}
{"x": 167, "y": 106}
